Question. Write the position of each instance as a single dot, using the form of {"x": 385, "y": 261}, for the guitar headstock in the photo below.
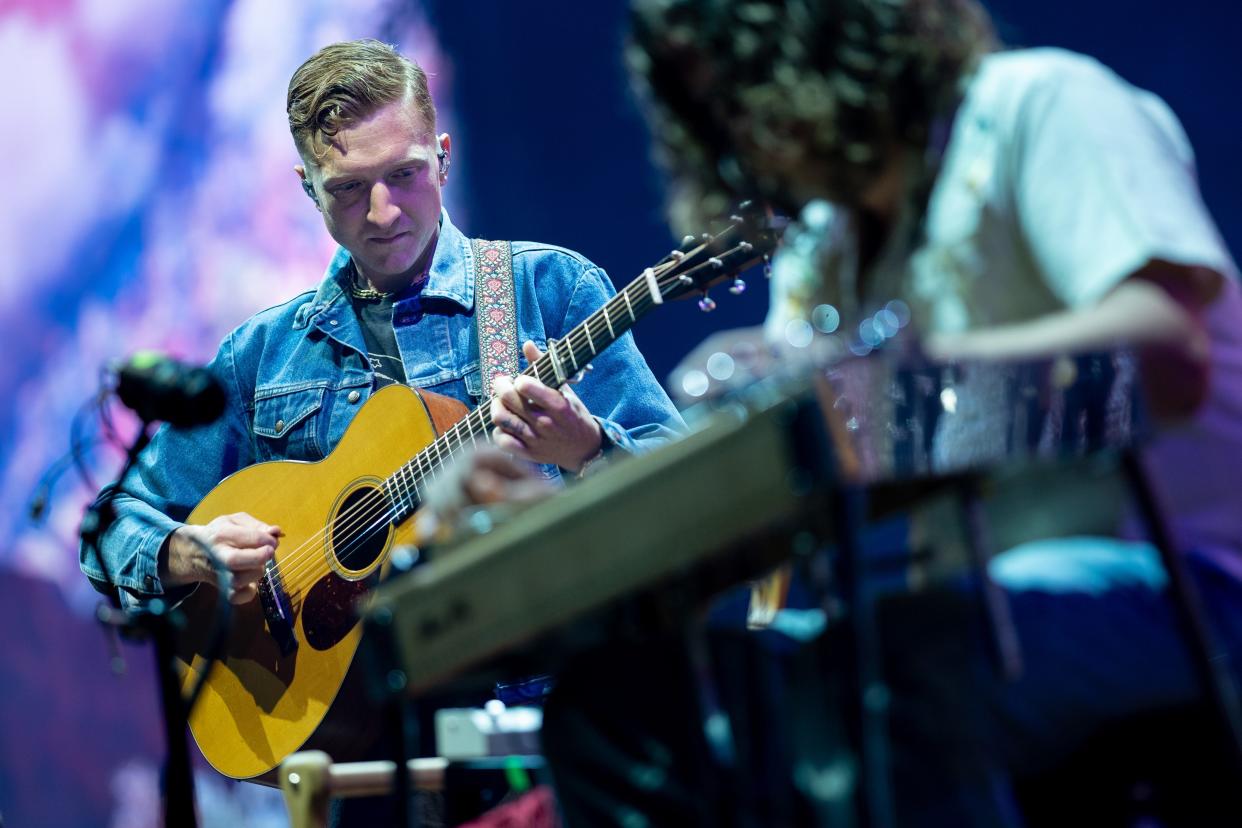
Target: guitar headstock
{"x": 749, "y": 237}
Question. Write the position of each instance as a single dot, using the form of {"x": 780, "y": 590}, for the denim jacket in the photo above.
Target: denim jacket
{"x": 295, "y": 374}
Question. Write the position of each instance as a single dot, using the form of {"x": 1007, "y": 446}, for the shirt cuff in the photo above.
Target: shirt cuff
{"x": 614, "y": 437}
{"x": 611, "y": 439}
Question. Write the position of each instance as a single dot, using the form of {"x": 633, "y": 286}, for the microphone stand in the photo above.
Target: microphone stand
{"x": 159, "y": 622}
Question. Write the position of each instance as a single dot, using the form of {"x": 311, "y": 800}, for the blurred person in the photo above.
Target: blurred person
{"x": 1023, "y": 204}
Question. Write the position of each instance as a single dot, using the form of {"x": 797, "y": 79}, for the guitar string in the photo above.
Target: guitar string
{"x": 386, "y": 513}
{"x": 374, "y": 512}
{"x": 362, "y": 515}
{"x": 377, "y": 508}
{"x": 368, "y": 517}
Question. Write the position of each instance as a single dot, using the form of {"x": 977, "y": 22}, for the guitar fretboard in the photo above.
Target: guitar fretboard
{"x": 564, "y": 359}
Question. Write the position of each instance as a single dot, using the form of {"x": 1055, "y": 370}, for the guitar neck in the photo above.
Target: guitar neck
{"x": 567, "y": 357}
{"x": 564, "y": 359}
{"x": 697, "y": 264}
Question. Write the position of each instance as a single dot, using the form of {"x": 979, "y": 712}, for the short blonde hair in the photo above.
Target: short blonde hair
{"x": 346, "y": 82}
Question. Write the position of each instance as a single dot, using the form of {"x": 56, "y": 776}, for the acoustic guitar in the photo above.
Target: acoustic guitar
{"x": 280, "y": 685}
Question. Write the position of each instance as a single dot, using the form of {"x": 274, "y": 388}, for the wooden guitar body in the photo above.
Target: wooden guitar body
{"x": 289, "y": 651}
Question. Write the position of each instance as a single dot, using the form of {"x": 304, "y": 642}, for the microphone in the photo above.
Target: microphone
{"x": 158, "y": 387}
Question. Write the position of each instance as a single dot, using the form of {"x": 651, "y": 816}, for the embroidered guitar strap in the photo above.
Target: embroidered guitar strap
{"x": 495, "y": 311}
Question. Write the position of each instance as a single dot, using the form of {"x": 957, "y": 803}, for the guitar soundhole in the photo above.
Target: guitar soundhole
{"x": 360, "y": 529}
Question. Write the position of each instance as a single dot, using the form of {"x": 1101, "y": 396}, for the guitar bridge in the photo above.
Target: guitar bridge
{"x": 277, "y": 610}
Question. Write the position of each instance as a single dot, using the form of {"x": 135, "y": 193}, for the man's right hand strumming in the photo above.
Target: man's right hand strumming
{"x": 243, "y": 544}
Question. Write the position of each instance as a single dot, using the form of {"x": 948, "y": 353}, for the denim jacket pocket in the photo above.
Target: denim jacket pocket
{"x": 474, "y": 383}
{"x": 285, "y": 425}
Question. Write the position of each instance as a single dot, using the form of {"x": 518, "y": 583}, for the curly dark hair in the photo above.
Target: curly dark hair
{"x": 831, "y": 85}
{"x": 344, "y": 83}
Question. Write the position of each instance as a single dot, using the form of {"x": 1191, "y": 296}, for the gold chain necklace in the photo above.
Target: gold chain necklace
{"x": 359, "y": 291}
{"x": 366, "y": 292}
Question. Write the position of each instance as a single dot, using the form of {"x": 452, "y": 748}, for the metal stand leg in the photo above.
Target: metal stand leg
{"x": 717, "y": 729}
{"x": 719, "y": 768}
{"x": 155, "y": 622}
{"x": 178, "y": 776}
{"x": 1003, "y": 637}
{"x": 870, "y": 697}
{"x": 388, "y": 688}
{"x": 1210, "y": 662}
{"x": 406, "y": 724}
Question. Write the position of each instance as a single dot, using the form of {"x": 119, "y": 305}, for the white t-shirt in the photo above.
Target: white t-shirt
{"x": 1058, "y": 181}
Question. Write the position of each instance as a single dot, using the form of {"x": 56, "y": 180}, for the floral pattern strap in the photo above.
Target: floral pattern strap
{"x": 495, "y": 311}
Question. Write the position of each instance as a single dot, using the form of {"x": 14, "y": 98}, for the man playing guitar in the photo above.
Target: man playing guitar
{"x": 397, "y": 306}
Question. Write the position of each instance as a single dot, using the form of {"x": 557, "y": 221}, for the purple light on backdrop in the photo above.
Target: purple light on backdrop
{"x": 149, "y": 202}
{"x": 158, "y": 206}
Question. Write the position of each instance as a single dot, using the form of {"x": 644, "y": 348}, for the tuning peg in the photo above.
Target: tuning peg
{"x": 716, "y": 263}
{"x": 707, "y": 304}
{"x": 685, "y": 280}
{"x": 738, "y": 287}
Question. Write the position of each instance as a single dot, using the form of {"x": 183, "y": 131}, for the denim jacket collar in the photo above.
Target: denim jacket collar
{"x": 450, "y": 277}
{"x": 452, "y": 267}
